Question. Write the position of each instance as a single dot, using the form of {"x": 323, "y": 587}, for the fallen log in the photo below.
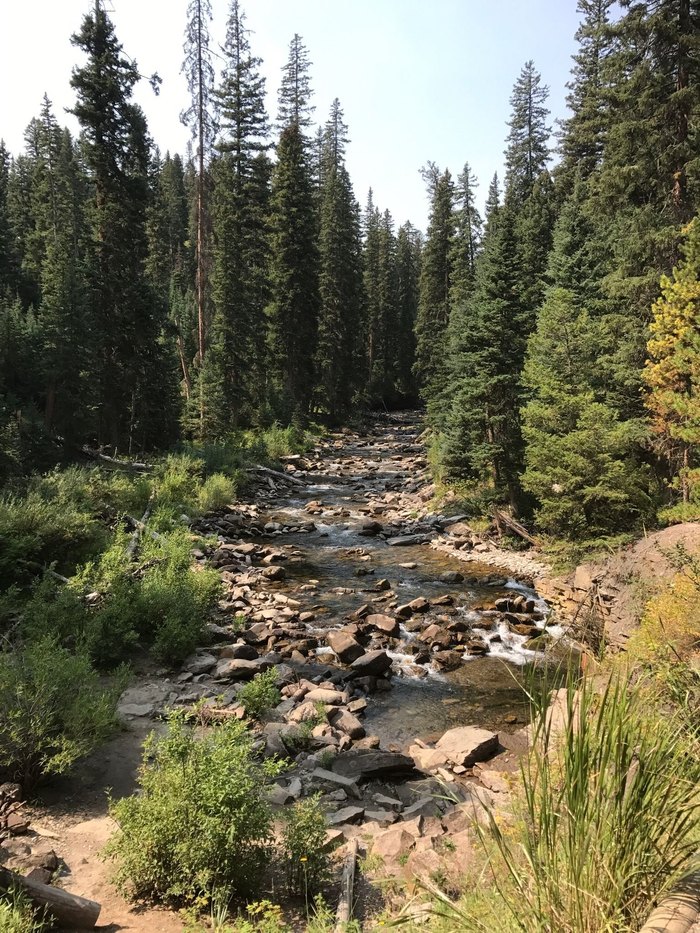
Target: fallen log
{"x": 130, "y": 465}
{"x": 68, "y": 910}
{"x": 281, "y": 476}
{"x": 344, "y": 913}
{"x": 140, "y": 526}
{"x": 510, "y": 523}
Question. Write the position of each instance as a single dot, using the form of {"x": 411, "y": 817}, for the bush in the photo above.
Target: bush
{"x": 260, "y": 694}
{"x": 53, "y": 710}
{"x": 201, "y": 823}
{"x": 216, "y": 492}
{"x": 35, "y": 531}
{"x": 304, "y": 846}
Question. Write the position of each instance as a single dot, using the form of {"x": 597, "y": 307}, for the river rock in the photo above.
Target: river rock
{"x": 451, "y": 576}
{"x": 238, "y": 669}
{"x": 239, "y": 651}
{"x": 393, "y": 844}
{"x": 419, "y": 605}
{"x": 338, "y": 780}
{"x": 428, "y": 759}
{"x": 384, "y": 624}
{"x": 346, "y": 815}
{"x": 466, "y": 745}
{"x": 327, "y": 696}
{"x": 371, "y": 765}
{"x": 199, "y": 663}
{"x": 347, "y": 648}
{"x": 368, "y": 528}
{"x": 347, "y": 723}
{"x": 406, "y": 540}
{"x": 371, "y": 664}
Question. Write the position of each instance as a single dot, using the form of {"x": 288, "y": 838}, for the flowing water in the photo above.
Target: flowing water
{"x": 335, "y": 570}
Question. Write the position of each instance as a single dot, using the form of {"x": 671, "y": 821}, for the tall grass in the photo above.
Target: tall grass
{"x": 611, "y": 818}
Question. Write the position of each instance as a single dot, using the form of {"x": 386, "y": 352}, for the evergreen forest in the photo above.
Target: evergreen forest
{"x": 147, "y": 298}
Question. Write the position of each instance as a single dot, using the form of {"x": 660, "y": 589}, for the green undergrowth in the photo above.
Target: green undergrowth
{"x": 18, "y": 916}
{"x": 84, "y": 588}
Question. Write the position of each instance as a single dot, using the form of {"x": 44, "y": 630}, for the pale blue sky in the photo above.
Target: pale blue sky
{"x": 417, "y": 81}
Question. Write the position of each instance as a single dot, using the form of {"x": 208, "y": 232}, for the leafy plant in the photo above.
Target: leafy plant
{"x": 201, "y": 823}
{"x": 260, "y": 694}
{"x": 53, "y": 709}
{"x": 304, "y": 846}
{"x": 216, "y": 492}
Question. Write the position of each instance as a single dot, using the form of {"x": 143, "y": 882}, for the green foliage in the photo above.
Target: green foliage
{"x": 201, "y": 822}
{"x": 18, "y": 916}
{"x": 53, "y": 709}
{"x": 215, "y": 492}
{"x": 260, "y": 695}
{"x": 35, "y": 531}
{"x": 304, "y": 846}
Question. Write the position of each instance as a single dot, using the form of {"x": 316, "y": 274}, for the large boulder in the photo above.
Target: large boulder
{"x": 466, "y": 745}
{"x": 347, "y": 648}
{"x": 371, "y": 664}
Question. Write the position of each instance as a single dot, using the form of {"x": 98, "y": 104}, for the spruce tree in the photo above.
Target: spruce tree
{"x": 482, "y": 430}
{"x": 583, "y": 134}
{"x": 408, "y": 266}
{"x": 294, "y": 271}
{"x": 435, "y": 283}
{"x": 129, "y": 366}
{"x": 527, "y": 151}
{"x": 340, "y": 275}
{"x": 199, "y": 71}
{"x": 467, "y": 239}
{"x": 239, "y": 237}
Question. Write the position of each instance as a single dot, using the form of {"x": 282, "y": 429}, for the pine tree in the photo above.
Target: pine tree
{"x": 527, "y": 151}
{"x": 239, "y": 218}
{"x": 580, "y": 456}
{"x": 199, "y": 71}
{"x": 340, "y": 274}
{"x": 672, "y": 373}
{"x": 482, "y": 430}
{"x": 582, "y": 451}
{"x": 584, "y": 132}
{"x": 294, "y": 276}
{"x": 7, "y": 272}
{"x": 408, "y": 266}
{"x": 435, "y": 283}
{"x": 467, "y": 239}
{"x": 129, "y": 364}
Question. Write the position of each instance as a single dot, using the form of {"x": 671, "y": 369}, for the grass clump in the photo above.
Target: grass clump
{"x": 216, "y": 492}
{"x": 201, "y": 823}
{"x": 53, "y": 710}
{"x": 18, "y": 916}
{"x": 260, "y": 694}
{"x": 610, "y": 822}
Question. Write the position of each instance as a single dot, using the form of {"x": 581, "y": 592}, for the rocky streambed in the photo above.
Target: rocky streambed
{"x": 399, "y": 663}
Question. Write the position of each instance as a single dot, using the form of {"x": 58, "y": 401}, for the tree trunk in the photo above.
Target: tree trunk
{"x": 69, "y": 910}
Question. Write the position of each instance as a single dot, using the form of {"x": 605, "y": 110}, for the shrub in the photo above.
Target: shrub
{"x": 35, "y": 531}
{"x": 304, "y": 846}
{"x": 201, "y": 823}
{"x": 216, "y": 492}
{"x": 53, "y": 710}
{"x": 260, "y": 694}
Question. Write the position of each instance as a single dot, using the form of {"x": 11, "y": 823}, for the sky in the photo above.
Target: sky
{"x": 417, "y": 82}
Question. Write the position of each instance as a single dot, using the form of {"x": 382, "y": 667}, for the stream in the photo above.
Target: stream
{"x": 333, "y": 566}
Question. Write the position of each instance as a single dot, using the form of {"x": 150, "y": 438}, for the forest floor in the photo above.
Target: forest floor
{"x": 360, "y": 510}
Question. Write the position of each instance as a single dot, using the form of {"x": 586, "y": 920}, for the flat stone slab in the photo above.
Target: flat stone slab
{"x": 346, "y": 815}
{"x": 370, "y": 764}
